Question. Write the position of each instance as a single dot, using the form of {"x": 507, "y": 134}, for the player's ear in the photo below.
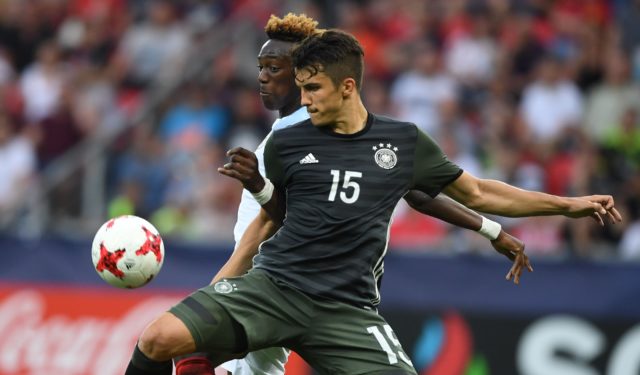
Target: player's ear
{"x": 348, "y": 87}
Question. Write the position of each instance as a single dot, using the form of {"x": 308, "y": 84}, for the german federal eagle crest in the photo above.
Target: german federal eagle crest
{"x": 385, "y": 155}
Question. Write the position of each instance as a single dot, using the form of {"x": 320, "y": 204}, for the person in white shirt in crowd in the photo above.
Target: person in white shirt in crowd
{"x": 472, "y": 57}
{"x": 42, "y": 83}
{"x": 421, "y": 94}
{"x": 17, "y": 167}
{"x": 155, "y": 49}
{"x": 550, "y": 104}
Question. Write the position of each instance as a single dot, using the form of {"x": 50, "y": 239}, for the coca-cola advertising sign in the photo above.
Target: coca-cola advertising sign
{"x": 73, "y": 331}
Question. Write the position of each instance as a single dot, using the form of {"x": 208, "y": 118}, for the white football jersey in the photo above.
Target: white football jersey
{"x": 268, "y": 361}
{"x": 249, "y": 208}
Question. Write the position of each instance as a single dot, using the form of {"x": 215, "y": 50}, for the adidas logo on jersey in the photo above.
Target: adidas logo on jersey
{"x": 309, "y": 159}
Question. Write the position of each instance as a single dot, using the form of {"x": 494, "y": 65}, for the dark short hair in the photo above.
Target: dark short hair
{"x": 336, "y": 53}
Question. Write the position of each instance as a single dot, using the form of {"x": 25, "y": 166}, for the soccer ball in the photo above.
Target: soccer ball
{"x": 127, "y": 252}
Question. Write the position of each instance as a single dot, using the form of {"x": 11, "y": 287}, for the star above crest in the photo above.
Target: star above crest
{"x": 382, "y": 145}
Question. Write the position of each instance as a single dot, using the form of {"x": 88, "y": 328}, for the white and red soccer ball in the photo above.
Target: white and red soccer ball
{"x": 127, "y": 252}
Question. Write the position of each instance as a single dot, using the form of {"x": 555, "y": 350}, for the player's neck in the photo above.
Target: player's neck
{"x": 353, "y": 118}
{"x": 290, "y": 108}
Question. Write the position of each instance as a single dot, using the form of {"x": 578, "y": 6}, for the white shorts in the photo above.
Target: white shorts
{"x": 269, "y": 361}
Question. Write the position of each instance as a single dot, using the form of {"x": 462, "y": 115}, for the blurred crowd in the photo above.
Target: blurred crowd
{"x": 73, "y": 70}
{"x": 542, "y": 94}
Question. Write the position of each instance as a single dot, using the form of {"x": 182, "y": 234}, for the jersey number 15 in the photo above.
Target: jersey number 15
{"x": 347, "y": 185}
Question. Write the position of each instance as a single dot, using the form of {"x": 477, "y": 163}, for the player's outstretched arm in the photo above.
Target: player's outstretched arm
{"x": 260, "y": 229}
{"x": 243, "y": 166}
{"x": 502, "y": 199}
{"x": 452, "y": 212}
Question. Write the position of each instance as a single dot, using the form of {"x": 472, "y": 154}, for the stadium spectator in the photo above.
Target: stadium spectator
{"x": 211, "y": 200}
{"x": 524, "y": 45}
{"x": 629, "y": 246}
{"x": 194, "y": 122}
{"x": 376, "y": 95}
{"x": 620, "y": 152}
{"x": 127, "y": 201}
{"x": 422, "y": 93}
{"x": 472, "y": 56}
{"x": 59, "y": 130}
{"x": 93, "y": 46}
{"x": 42, "y": 83}
{"x": 17, "y": 166}
{"x": 24, "y": 25}
{"x": 550, "y": 104}
{"x": 197, "y": 199}
{"x": 627, "y": 15}
{"x": 142, "y": 173}
{"x": 608, "y": 100}
{"x": 154, "y": 50}
{"x": 95, "y": 103}
{"x": 624, "y": 137}
{"x": 354, "y": 18}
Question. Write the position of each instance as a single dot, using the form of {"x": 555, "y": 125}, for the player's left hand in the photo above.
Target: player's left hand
{"x": 596, "y": 206}
{"x": 607, "y": 202}
{"x": 512, "y": 248}
{"x": 243, "y": 166}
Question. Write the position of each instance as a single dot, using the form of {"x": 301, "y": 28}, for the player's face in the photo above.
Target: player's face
{"x": 324, "y": 101}
{"x": 278, "y": 90}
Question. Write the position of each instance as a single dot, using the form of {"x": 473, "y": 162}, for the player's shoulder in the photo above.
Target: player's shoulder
{"x": 389, "y": 120}
{"x": 297, "y": 127}
{"x": 395, "y": 124}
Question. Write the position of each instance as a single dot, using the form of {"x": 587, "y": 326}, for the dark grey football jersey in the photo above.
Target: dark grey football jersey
{"x": 340, "y": 193}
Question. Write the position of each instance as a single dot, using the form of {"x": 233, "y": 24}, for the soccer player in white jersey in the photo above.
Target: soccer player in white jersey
{"x": 279, "y": 92}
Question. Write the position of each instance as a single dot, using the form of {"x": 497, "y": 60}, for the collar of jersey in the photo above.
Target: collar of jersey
{"x": 327, "y": 129}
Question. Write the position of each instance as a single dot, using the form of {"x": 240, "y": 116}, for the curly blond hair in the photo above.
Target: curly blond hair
{"x": 291, "y": 28}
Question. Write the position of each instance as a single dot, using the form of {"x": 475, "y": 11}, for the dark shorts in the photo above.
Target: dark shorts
{"x": 333, "y": 337}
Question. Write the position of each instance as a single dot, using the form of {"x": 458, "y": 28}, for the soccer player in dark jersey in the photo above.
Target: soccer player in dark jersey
{"x": 278, "y": 91}
{"x": 314, "y": 284}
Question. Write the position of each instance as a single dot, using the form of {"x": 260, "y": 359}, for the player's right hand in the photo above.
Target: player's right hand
{"x": 243, "y": 166}
{"x": 512, "y": 248}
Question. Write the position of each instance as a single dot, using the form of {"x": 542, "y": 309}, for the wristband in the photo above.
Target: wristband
{"x": 490, "y": 229}
{"x": 264, "y": 195}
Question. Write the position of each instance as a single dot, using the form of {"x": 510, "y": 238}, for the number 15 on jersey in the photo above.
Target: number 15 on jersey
{"x": 350, "y": 189}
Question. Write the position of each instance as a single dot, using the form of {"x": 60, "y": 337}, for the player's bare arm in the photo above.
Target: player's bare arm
{"x": 243, "y": 166}
{"x": 444, "y": 208}
{"x": 260, "y": 229}
{"x": 502, "y": 199}
{"x": 452, "y": 212}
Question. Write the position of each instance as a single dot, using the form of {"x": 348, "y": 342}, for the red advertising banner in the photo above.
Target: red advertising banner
{"x": 74, "y": 331}
{"x": 78, "y": 331}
